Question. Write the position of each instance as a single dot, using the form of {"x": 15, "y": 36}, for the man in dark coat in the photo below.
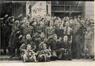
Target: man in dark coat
{"x": 5, "y": 33}
{"x": 13, "y": 41}
{"x": 51, "y": 43}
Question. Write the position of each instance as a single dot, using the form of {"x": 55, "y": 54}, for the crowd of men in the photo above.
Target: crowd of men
{"x": 47, "y": 38}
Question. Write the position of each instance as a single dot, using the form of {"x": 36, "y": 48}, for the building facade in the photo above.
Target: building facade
{"x": 67, "y": 8}
{"x": 13, "y": 8}
{"x": 53, "y": 8}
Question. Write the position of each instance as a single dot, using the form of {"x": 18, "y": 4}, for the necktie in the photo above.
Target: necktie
{"x": 66, "y": 30}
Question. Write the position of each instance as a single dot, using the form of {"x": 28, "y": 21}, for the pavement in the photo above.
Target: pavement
{"x": 73, "y": 62}
{"x": 20, "y": 61}
{"x": 51, "y": 63}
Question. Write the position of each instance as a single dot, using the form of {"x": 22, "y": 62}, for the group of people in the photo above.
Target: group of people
{"x": 46, "y": 38}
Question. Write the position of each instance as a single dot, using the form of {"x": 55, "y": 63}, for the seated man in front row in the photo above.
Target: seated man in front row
{"x": 27, "y": 54}
{"x": 43, "y": 53}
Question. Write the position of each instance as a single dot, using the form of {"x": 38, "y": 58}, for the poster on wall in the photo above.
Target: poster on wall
{"x": 39, "y": 9}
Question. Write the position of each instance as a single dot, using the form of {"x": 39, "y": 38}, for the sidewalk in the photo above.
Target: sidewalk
{"x": 51, "y": 63}
{"x": 6, "y": 59}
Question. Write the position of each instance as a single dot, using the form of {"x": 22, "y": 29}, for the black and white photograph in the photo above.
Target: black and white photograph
{"x": 47, "y": 32}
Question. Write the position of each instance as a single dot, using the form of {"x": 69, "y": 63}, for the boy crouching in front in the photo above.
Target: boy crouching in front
{"x": 44, "y": 54}
{"x": 27, "y": 54}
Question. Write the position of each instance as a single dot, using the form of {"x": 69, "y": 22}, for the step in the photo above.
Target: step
{"x": 8, "y": 58}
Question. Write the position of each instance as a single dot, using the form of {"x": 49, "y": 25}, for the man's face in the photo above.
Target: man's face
{"x": 44, "y": 46}
{"x": 65, "y": 39}
{"x": 6, "y": 15}
{"x": 28, "y": 36}
{"x": 29, "y": 47}
{"x": 12, "y": 19}
{"x": 34, "y": 23}
{"x": 67, "y": 24}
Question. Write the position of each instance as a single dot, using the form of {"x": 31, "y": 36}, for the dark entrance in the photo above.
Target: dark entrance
{"x": 11, "y": 9}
